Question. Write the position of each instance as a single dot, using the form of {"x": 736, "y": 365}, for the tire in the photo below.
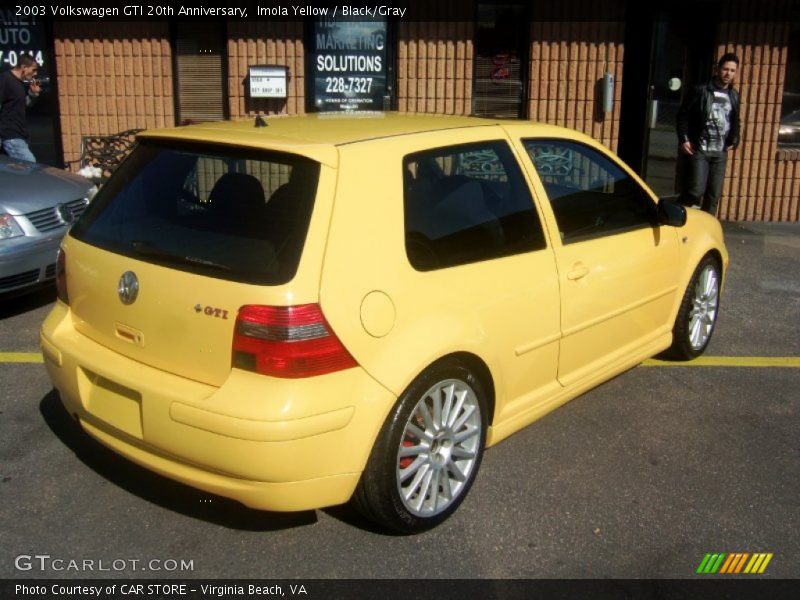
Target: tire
{"x": 428, "y": 452}
{"x": 698, "y": 312}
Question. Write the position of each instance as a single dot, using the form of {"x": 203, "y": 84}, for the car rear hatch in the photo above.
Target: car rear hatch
{"x": 180, "y": 238}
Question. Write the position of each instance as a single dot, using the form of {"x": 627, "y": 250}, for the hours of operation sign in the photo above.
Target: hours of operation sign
{"x": 349, "y": 65}
{"x": 267, "y": 81}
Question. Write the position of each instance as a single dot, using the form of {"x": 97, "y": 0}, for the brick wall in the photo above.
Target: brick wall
{"x": 434, "y": 67}
{"x": 115, "y": 76}
{"x": 258, "y": 43}
{"x": 568, "y": 60}
{"x": 762, "y": 183}
{"x": 112, "y": 77}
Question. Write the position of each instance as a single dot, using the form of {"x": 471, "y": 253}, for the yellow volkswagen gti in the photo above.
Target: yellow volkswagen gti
{"x": 332, "y": 308}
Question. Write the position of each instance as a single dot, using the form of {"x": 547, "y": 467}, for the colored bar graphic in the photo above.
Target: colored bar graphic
{"x": 710, "y": 563}
{"x": 716, "y": 566}
{"x": 767, "y": 558}
{"x": 703, "y": 564}
{"x": 727, "y": 564}
{"x": 754, "y": 564}
{"x": 740, "y": 565}
{"x": 734, "y": 563}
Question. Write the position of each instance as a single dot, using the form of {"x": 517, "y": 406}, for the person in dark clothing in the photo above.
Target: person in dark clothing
{"x": 708, "y": 127}
{"x": 18, "y": 89}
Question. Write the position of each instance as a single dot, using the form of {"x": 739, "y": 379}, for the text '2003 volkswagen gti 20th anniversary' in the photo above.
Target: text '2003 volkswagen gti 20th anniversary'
{"x": 332, "y": 308}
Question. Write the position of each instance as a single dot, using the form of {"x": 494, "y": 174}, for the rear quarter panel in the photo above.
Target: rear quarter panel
{"x": 487, "y": 309}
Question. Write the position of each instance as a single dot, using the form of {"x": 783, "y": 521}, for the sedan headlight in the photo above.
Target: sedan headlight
{"x": 91, "y": 193}
{"x": 9, "y": 228}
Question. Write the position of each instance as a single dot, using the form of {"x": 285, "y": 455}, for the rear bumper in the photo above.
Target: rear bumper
{"x": 269, "y": 443}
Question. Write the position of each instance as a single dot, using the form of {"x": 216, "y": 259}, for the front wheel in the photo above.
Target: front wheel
{"x": 428, "y": 452}
{"x": 697, "y": 315}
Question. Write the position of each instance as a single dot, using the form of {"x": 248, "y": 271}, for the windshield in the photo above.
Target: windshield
{"x": 231, "y": 213}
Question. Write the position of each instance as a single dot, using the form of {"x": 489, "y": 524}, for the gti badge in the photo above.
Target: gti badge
{"x": 128, "y": 287}
{"x": 211, "y": 311}
{"x": 66, "y": 214}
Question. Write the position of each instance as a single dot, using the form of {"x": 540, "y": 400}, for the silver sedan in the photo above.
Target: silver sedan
{"x": 37, "y": 205}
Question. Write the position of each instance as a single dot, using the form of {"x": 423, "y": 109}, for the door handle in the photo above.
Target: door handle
{"x": 579, "y": 270}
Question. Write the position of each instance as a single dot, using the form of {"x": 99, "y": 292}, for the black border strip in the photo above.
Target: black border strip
{"x": 708, "y": 588}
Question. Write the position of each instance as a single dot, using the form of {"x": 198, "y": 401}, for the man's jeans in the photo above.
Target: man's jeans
{"x": 18, "y": 148}
{"x": 705, "y": 172}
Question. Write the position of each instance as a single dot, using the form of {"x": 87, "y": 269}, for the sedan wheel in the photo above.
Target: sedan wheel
{"x": 428, "y": 452}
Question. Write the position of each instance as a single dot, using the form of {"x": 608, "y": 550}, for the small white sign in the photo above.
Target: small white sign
{"x": 268, "y": 81}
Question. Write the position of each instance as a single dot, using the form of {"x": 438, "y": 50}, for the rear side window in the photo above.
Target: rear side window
{"x": 233, "y": 214}
{"x": 467, "y": 203}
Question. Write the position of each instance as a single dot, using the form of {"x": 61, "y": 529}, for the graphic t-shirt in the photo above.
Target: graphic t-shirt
{"x": 718, "y": 124}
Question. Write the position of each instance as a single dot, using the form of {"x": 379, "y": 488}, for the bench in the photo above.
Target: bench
{"x": 105, "y": 152}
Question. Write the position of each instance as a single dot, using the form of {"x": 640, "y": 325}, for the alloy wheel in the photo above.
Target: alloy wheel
{"x": 703, "y": 313}
{"x": 439, "y": 448}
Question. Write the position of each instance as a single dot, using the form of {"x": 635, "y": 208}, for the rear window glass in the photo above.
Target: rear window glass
{"x": 228, "y": 213}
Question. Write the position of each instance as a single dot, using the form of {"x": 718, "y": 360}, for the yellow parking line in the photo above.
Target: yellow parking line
{"x": 21, "y": 357}
{"x": 791, "y": 362}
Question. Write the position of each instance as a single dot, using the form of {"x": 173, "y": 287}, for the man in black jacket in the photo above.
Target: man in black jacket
{"x": 708, "y": 127}
{"x": 18, "y": 89}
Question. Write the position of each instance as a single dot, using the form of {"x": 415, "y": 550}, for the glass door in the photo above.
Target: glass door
{"x": 681, "y": 58}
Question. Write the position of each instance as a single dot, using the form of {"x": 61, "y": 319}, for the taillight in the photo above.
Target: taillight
{"x": 287, "y": 341}
{"x": 61, "y": 276}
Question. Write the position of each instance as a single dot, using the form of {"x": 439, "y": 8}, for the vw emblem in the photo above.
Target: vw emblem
{"x": 128, "y": 287}
{"x": 66, "y": 214}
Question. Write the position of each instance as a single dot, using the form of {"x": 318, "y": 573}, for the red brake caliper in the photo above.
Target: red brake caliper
{"x": 406, "y": 460}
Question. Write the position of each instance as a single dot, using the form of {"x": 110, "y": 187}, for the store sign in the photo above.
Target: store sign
{"x": 349, "y": 65}
{"x": 21, "y": 35}
{"x": 267, "y": 81}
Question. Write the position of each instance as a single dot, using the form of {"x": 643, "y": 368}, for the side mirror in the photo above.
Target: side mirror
{"x": 671, "y": 213}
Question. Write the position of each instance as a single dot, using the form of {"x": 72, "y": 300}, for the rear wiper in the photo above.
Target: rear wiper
{"x": 147, "y": 249}
{"x": 207, "y": 263}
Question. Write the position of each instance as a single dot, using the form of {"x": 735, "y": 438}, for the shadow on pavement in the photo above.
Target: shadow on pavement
{"x": 13, "y": 304}
{"x": 351, "y": 517}
{"x": 159, "y": 490}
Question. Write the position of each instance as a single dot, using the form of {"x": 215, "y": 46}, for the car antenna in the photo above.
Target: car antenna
{"x": 260, "y": 122}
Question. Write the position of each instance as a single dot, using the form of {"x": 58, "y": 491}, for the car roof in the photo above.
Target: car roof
{"x": 316, "y": 135}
